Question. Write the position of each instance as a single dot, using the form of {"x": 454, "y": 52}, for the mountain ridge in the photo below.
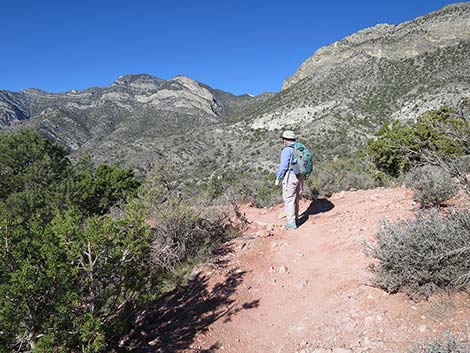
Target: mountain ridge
{"x": 430, "y": 39}
{"x": 125, "y": 90}
{"x": 336, "y": 100}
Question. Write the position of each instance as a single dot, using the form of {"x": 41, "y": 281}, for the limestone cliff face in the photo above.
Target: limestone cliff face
{"x": 427, "y": 34}
{"x": 346, "y": 90}
{"x": 131, "y": 93}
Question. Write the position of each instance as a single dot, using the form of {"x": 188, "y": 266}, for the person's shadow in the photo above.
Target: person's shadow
{"x": 317, "y": 206}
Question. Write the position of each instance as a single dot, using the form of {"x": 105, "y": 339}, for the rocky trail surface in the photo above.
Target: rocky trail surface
{"x": 306, "y": 290}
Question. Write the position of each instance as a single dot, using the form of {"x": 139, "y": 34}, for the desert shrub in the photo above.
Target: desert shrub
{"x": 432, "y": 186}
{"x": 457, "y": 167}
{"x": 423, "y": 254}
{"x": 261, "y": 192}
{"x": 159, "y": 186}
{"x": 463, "y": 164}
{"x": 447, "y": 344}
{"x": 182, "y": 230}
{"x": 338, "y": 175}
{"x": 183, "y": 234}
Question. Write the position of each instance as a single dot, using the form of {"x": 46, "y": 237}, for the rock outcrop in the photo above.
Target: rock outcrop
{"x": 346, "y": 90}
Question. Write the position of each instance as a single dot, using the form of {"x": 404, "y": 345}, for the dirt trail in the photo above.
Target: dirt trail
{"x": 306, "y": 290}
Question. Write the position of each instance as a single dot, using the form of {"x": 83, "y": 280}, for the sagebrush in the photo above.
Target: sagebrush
{"x": 421, "y": 255}
{"x": 448, "y": 344}
{"x": 181, "y": 233}
{"x": 432, "y": 186}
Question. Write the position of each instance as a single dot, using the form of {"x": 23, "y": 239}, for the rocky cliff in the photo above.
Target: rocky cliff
{"x": 349, "y": 88}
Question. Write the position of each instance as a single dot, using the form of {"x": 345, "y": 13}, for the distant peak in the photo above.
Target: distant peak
{"x": 184, "y": 79}
{"x": 188, "y": 82}
{"x": 137, "y": 78}
{"x": 34, "y": 90}
{"x": 138, "y": 82}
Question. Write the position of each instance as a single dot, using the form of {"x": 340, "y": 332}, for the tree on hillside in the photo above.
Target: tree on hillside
{"x": 29, "y": 161}
{"x": 442, "y": 134}
{"x": 456, "y": 164}
{"x": 94, "y": 190}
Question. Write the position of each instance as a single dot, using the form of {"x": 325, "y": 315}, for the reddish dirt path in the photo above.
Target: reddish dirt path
{"x": 311, "y": 285}
{"x": 304, "y": 290}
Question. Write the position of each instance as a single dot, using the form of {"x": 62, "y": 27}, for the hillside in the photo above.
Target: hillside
{"x": 336, "y": 100}
{"x": 303, "y": 291}
{"x": 132, "y": 107}
{"x": 347, "y": 89}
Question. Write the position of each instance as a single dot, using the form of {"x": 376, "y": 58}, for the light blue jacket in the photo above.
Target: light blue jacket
{"x": 286, "y": 154}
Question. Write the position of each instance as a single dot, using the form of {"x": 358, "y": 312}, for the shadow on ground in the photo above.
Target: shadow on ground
{"x": 172, "y": 324}
{"x": 317, "y": 206}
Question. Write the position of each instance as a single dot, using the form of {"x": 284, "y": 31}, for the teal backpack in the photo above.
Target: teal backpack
{"x": 301, "y": 160}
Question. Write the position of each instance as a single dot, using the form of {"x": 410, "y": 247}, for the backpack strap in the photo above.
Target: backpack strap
{"x": 290, "y": 161}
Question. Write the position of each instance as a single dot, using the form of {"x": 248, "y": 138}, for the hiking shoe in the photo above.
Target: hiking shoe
{"x": 290, "y": 226}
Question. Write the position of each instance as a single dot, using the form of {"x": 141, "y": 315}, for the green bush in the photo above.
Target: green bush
{"x": 399, "y": 146}
{"x": 37, "y": 178}
{"x": 67, "y": 272}
{"x": 63, "y": 285}
{"x": 432, "y": 186}
{"x": 390, "y": 151}
{"x": 94, "y": 190}
{"x": 29, "y": 161}
{"x": 423, "y": 254}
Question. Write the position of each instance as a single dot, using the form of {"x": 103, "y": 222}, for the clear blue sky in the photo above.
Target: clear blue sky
{"x": 238, "y": 46}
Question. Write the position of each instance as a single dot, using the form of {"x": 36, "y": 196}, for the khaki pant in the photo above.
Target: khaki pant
{"x": 292, "y": 187}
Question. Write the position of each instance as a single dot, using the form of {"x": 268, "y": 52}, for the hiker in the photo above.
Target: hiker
{"x": 293, "y": 181}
